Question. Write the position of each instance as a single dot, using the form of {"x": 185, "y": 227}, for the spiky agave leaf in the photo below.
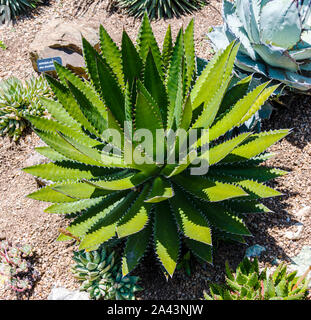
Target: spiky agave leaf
{"x": 160, "y": 9}
{"x": 158, "y": 202}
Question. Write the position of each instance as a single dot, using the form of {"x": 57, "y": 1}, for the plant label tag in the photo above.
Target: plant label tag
{"x": 48, "y": 64}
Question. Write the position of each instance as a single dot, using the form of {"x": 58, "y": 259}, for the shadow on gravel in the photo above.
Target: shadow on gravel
{"x": 295, "y": 114}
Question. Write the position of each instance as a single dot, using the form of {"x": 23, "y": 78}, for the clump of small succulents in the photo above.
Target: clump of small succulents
{"x": 101, "y": 275}
{"x": 17, "y": 101}
{"x": 248, "y": 283}
{"x": 16, "y": 269}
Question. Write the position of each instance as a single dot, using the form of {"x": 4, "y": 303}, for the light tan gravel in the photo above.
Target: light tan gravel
{"x": 15, "y": 62}
{"x": 23, "y": 220}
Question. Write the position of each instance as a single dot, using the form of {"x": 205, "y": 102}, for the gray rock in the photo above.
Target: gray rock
{"x": 41, "y": 143}
{"x": 63, "y": 39}
{"x": 302, "y": 262}
{"x": 34, "y": 160}
{"x": 254, "y": 251}
{"x": 304, "y": 212}
{"x": 295, "y": 235}
{"x": 61, "y": 293}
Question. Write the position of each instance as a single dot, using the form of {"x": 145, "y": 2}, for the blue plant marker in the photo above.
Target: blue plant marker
{"x": 48, "y": 64}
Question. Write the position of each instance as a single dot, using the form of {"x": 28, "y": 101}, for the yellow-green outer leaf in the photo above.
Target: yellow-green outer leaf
{"x": 137, "y": 216}
{"x": 233, "y": 117}
{"x": 112, "y": 54}
{"x": 207, "y": 189}
{"x": 72, "y": 207}
{"x": 106, "y": 227}
{"x": 59, "y": 113}
{"x": 80, "y": 226}
{"x": 166, "y": 238}
{"x": 258, "y": 189}
{"x": 129, "y": 182}
{"x": 259, "y": 102}
{"x": 50, "y": 154}
{"x": 50, "y": 195}
{"x": 189, "y": 52}
{"x": 48, "y": 125}
{"x": 256, "y": 144}
{"x": 174, "y": 79}
{"x": 190, "y": 220}
{"x": 61, "y": 145}
{"x": 220, "y": 151}
{"x": 147, "y": 40}
{"x": 211, "y": 78}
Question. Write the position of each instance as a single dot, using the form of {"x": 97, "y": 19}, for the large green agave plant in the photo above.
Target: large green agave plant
{"x": 159, "y": 203}
{"x": 159, "y": 9}
{"x": 275, "y": 39}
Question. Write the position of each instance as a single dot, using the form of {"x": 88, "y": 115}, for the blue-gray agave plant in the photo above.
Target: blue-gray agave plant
{"x": 275, "y": 38}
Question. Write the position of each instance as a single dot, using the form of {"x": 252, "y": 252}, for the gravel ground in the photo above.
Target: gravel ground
{"x": 15, "y": 60}
{"x": 22, "y": 219}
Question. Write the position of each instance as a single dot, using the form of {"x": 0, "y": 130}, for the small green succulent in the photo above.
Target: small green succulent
{"x": 16, "y": 270}
{"x": 249, "y": 284}
{"x": 101, "y": 275}
{"x": 158, "y": 9}
{"x": 17, "y": 101}
{"x": 2, "y": 45}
